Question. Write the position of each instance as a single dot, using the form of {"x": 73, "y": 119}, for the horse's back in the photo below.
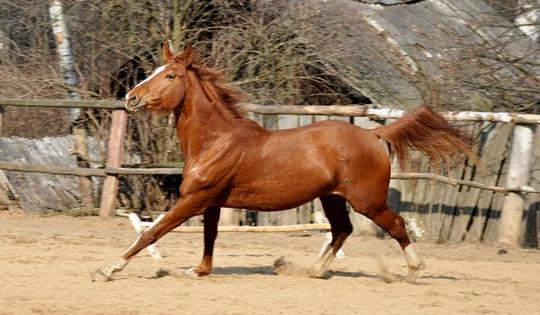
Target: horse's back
{"x": 348, "y": 152}
{"x": 339, "y": 137}
{"x": 300, "y": 164}
{"x": 326, "y": 144}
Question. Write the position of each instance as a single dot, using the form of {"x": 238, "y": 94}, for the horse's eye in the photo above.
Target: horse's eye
{"x": 169, "y": 76}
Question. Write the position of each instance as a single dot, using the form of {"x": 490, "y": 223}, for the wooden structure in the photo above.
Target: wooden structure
{"x": 409, "y": 60}
{"x": 115, "y": 156}
{"x": 488, "y": 203}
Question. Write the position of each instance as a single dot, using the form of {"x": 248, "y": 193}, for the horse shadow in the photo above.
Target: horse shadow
{"x": 243, "y": 270}
{"x": 271, "y": 271}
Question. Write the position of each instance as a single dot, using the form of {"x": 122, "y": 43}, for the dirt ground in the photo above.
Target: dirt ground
{"x": 45, "y": 263}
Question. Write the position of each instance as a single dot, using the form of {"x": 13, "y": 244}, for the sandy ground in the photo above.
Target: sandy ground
{"x": 45, "y": 264}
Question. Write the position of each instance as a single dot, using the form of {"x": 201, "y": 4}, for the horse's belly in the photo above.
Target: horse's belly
{"x": 275, "y": 196}
{"x": 293, "y": 168}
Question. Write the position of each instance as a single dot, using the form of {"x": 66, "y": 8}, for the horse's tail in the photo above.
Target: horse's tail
{"x": 427, "y": 131}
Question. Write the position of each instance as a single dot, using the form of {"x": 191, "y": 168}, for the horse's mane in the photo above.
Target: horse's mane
{"x": 212, "y": 80}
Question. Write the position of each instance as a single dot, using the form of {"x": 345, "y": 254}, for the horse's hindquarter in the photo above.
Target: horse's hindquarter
{"x": 290, "y": 167}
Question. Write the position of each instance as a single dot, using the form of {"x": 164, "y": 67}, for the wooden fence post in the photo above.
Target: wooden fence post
{"x": 510, "y": 226}
{"x": 85, "y": 183}
{"x": 115, "y": 156}
{"x": 1, "y": 119}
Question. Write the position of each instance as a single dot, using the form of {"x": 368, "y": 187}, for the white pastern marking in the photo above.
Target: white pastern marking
{"x": 156, "y": 72}
{"x": 120, "y": 264}
{"x": 410, "y": 254}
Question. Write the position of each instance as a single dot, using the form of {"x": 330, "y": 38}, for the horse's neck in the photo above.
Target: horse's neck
{"x": 201, "y": 120}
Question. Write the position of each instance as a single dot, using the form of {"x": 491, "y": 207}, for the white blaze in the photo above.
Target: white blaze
{"x": 156, "y": 72}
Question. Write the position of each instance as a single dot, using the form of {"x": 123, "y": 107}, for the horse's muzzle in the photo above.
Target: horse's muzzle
{"x": 133, "y": 104}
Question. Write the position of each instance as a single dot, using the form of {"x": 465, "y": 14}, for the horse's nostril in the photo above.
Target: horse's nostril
{"x": 132, "y": 102}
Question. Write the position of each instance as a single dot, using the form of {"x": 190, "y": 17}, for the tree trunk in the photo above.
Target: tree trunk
{"x": 180, "y": 15}
{"x": 4, "y": 44}
{"x": 71, "y": 79}
{"x": 63, "y": 47}
{"x": 529, "y": 21}
{"x": 1, "y": 119}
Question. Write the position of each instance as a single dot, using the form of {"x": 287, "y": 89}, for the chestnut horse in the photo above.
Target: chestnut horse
{"x": 231, "y": 161}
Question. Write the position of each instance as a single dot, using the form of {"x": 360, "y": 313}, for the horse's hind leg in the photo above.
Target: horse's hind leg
{"x": 394, "y": 225}
{"x": 211, "y": 219}
{"x": 336, "y": 211}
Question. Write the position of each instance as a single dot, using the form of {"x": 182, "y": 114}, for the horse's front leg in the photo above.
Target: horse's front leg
{"x": 211, "y": 219}
{"x": 184, "y": 209}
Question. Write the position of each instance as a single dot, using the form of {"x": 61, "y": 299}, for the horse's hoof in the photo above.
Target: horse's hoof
{"x": 412, "y": 276}
{"x": 318, "y": 274}
{"x": 101, "y": 275}
{"x": 193, "y": 274}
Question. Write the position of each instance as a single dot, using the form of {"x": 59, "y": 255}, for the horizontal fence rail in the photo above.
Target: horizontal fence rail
{"x": 385, "y": 113}
{"x": 63, "y": 103}
{"x": 258, "y": 229}
{"x": 330, "y": 110}
{"x": 455, "y": 182}
{"x": 103, "y": 172}
{"x": 79, "y": 171}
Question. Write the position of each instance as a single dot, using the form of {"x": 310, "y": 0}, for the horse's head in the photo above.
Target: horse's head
{"x": 164, "y": 89}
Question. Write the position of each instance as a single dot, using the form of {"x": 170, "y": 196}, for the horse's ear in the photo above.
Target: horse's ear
{"x": 188, "y": 56}
{"x": 167, "y": 53}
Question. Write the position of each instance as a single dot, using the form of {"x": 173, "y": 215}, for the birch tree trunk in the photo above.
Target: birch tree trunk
{"x": 67, "y": 66}
{"x": 529, "y": 21}
{"x": 4, "y": 42}
{"x": 1, "y": 119}
{"x": 63, "y": 46}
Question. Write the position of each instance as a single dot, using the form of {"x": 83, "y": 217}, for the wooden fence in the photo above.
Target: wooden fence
{"x": 491, "y": 203}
